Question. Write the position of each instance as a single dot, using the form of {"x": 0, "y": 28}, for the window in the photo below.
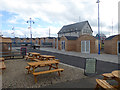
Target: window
{"x": 36, "y": 41}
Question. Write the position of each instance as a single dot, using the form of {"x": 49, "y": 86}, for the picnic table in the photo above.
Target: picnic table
{"x": 114, "y": 75}
{"x": 33, "y": 55}
{"x": 47, "y": 57}
{"x": 51, "y": 63}
{"x": 2, "y": 64}
{"x": 2, "y": 59}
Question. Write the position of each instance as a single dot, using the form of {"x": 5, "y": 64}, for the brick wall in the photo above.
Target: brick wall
{"x": 93, "y": 43}
{"x": 71, "y": 45}
{"x": 110, "y": 46}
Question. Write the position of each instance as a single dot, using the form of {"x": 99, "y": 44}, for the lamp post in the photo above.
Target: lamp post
{"x": 98, "y": 29}
{"x": 30, "y": 21}
{"x": 13, "y": 33}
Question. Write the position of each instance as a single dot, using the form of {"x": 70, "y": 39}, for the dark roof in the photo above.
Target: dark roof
{"x": 50, "y": 37}
{"x": 75, "y": 27}
{"x": 109, "y": 38}
{"x": 71, "y": 37}
{"x": 58, "y": 38}
{"x": 33, "y": 38}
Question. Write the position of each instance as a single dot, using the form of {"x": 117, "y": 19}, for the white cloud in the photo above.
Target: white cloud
{"x": 62, "y": 12}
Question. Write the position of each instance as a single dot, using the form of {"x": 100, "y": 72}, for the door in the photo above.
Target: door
{"x": 118, "y": 47}
{"x": 85, "y": 46}
{"x": 54, "y": 43}
{"x": 57, "y": 44}
{"x": 41, "y": 42}
{"x": 63, "y": 45}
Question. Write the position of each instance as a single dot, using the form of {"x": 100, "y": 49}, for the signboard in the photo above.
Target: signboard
{"x": 90, "y": 66}
{"x": 23, "y": 51}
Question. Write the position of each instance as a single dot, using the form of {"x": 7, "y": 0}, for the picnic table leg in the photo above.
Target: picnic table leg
{"x": 57, "y": 68}
{"x": 50, "y": 66}
{"x": 33, "y": 69}
{"x": 97, "y": 86}
{"x": 35, "y": 79}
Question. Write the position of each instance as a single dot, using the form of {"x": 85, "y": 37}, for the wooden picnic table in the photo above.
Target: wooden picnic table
{"x": 47, "y": 57}
{"x": 116, "y": 75}
{"x": 50, "y": 63}
{"x": 2, "y": 59}
{"x": 33, "y": 55}
{"x": 2, "y": 65}
{"x": 33, "y": 65}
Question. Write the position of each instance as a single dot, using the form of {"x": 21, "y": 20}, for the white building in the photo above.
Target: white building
{"x": 76, "y": 29}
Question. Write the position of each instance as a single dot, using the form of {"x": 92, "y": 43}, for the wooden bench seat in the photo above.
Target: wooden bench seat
{"x": 45, "y": 72}
{"x": 107, "y": 76}
{"x": 1, "y": 59}
{"x": 104, "y": 84}
{"x": 2, "y": 65}
{"x": 28, "y": 57}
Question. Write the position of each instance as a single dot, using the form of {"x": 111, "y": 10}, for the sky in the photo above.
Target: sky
{"x": 52, "y": 15}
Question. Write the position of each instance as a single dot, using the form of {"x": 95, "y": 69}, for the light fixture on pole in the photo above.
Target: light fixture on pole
{"x": 13, "y": 33}
{"x": 98, "y": 28}
{"x": 31, "y": 21}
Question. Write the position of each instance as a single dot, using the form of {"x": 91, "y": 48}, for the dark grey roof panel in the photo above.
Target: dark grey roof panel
{"x": 50, "y": 37}
{"x": 109, "y": 38}
{"x": 67, "y": 28}
{"x": 71, "y": 37}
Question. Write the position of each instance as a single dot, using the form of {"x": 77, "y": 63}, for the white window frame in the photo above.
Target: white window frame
{"x": 63, "y": 47}
{"x": 85, "y": 46}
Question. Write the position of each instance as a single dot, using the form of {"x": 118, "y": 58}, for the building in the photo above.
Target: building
{"x": 51, "y": 40}
{"x": 87, "y": 44}
{"x": 76, "y": 29}
{"x": 5, "y": 44}
{"x": 67, "y": 43}
{"x": 37, "y": 41}
{"x": 112, "y": 45}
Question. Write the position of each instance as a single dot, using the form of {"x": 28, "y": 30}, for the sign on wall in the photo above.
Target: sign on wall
{"x": 90, "y": 66}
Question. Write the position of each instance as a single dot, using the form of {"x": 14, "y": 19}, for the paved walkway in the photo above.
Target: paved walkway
{"x": 102, "y": 57}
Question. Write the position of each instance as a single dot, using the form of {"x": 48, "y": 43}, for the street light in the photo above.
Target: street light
{"x": 98, "y": 29}
{"x": 31, "y": 21}
{"x": 13, "y": 33}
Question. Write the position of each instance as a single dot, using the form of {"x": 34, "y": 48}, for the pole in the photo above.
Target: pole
{"x": 13, "y": 33}
{"x": 30, "y": 31}
{"x": 31, "y": 28}
{"x": 98, "y": 29}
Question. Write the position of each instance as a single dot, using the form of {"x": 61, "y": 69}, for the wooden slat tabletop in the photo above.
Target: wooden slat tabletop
{"x": 42, "y": 62}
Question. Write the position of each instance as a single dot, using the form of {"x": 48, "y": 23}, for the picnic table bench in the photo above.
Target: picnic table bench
{"x": 49, "y": 63}
{"x": 11, "y": 54}
{"x": 114, "y": 75}
{"x": 104, "y": 84}
{"x": 2, "y": 64}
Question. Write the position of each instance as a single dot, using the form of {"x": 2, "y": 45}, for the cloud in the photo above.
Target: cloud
{"x": 60, "y": 12}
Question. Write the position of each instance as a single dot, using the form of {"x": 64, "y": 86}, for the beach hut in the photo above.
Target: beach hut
{"x": 67, "y": 43}
{"x": 5, "y": 44}
{"x": 112, "y": 45}
{"x": 87, "y": 44}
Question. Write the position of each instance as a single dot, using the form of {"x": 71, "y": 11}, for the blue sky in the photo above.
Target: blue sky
{"x": 53, "y": 14}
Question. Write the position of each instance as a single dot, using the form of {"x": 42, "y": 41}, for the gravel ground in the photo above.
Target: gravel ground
{"x": 15, "y": 75}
